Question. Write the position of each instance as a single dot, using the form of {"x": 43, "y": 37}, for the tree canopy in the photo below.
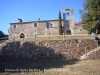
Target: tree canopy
{"x": 91, "y": 15}
{"x": 2, "y": 35}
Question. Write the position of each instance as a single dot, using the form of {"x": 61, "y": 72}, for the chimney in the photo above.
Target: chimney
{"x": 39, "y": 19}
{"x": 19, "y": 20}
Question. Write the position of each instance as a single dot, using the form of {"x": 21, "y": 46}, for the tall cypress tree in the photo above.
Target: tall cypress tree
{"x": 60, "y": 24}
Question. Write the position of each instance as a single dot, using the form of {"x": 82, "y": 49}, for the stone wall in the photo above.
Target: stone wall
{"x": 94, "y": 54}
{"x": 28, "y": 29}
{"x": 67, "y": 49}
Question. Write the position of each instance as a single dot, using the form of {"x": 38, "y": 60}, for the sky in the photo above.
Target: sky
{"x": 31, "y": 10}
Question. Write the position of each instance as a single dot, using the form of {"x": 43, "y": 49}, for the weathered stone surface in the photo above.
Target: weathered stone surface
{"x": 94, "y": 54}
{"x": 28, "y": 29}
{"x": 66, "y": 49}
{"x": 68, "y": 25}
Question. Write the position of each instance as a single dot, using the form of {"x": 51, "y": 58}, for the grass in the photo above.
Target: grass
{"x": 87, "y": 67}
{"x": 1, "y": 41}
{"x": 60, "y": 37}
{"x": 56, "y": 37}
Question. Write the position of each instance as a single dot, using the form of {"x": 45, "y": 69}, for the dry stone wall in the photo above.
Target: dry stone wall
{"x": 53, "y": 49}
{"x": 94, "y": 54}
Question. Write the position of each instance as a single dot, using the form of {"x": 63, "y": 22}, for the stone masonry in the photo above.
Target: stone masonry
{"x": 28, "y": 29}
{"x": 67, "y": 49}
{"x": 70, "y": 24}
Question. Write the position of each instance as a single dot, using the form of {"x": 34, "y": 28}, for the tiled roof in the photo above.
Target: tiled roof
{"x": 77, "y": 23}
{"x": 35, "y": 21}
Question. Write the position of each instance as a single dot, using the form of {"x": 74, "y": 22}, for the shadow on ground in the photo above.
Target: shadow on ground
{"x": 12, "y": 57}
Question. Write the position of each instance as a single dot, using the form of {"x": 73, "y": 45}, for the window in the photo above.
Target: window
{"x": 35, "y": 24}
{"x": 50, "y": 25}
{"x": 14, "y": 26}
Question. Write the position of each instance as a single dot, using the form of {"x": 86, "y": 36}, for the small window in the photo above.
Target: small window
{"x": 35, "y": 24}
{"x": 14, "y": 26}
{"x": 50, "y": 25}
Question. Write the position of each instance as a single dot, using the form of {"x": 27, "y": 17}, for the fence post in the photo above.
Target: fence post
{"x": 14, "y": 38}
{"x": 97, "y": 46}
{"x": 63, "y": 36}
{"x": 78, "y": 36}
{"x": 6, "y": 39}
{"x": 49, "y": 36}
{"x": 85, "y": 50}
{"x": 35, "y": 36}
{"x": 23, "y": 38}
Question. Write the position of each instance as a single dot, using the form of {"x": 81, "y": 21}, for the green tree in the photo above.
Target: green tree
{"x": 60, "y": 24}
{"x": 2, "y": 34}
{"x": 91, "y": 15}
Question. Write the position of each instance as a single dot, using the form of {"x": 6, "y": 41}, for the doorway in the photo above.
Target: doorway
{"x": 22, "y": 35}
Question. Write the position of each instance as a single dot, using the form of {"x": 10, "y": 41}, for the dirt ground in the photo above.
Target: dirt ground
{"x": 87, "y": 67}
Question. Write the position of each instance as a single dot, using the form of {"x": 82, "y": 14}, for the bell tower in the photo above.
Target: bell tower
{"x": 68, "y": 25}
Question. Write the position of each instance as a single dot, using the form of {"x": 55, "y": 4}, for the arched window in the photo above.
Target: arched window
{"x": 68, "y": 32}
{"x": 22, "y": 35}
